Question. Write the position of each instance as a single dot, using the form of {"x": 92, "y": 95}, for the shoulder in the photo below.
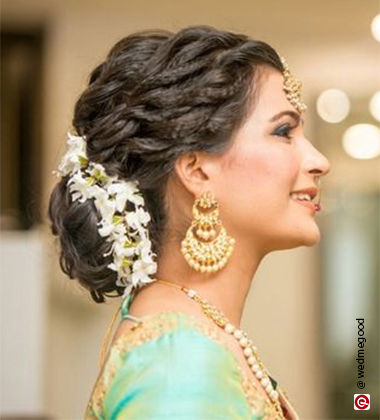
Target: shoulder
{"x": 171, "y": 364}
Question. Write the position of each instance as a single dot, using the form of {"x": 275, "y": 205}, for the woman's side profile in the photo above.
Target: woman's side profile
{"x": 187, "y": 165}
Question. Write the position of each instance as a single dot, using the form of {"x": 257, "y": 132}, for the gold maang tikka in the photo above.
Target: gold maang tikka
{"x": 206, "y": 246}
{"x": 292, "y": 88}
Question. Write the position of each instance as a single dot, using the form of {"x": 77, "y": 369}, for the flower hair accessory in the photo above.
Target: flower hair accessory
{"x": 131, "y": 248}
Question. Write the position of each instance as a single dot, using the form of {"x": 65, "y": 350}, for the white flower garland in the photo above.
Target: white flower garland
{"x": 131, "y": 247}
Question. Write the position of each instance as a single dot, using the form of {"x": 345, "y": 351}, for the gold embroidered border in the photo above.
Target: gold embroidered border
{"x": 154, "y": 327}
{"x": 259, "y": 405}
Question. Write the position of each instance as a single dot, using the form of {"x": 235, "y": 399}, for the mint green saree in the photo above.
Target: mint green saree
{"x": 173, "y": 366}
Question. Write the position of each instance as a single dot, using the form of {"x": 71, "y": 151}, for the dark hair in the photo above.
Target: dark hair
{"x": 157, "y": 96}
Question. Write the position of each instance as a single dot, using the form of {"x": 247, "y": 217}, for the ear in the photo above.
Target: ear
{"x": 193, "y": 171}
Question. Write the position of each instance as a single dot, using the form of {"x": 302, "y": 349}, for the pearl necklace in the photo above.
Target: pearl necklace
{"x": 249, "y": 350}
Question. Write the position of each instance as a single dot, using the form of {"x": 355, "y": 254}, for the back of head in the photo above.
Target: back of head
{"x": 156, "y": 96}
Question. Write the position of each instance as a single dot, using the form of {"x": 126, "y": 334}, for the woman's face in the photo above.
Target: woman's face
{"x": 253, "y": 180}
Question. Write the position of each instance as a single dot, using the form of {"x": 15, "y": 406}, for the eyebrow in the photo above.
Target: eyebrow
{"x": 291, "y": 113}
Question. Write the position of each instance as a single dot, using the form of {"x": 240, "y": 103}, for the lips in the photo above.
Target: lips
{"x": 312, "y": 191}
{"x": 305, "y": 203}
{"x": 313, "y": 206}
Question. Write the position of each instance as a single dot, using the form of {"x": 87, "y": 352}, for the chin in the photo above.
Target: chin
{"x": 305, "y": 238}
{"x": 307, "y": 234}
{"x": 312, "y": 241}
{"x": 311, "y": 238}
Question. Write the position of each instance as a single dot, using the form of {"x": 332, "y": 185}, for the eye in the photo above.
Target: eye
{"x": 283, "y": 131}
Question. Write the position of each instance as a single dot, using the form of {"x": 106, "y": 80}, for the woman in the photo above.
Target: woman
{"x": 189, "y": 165}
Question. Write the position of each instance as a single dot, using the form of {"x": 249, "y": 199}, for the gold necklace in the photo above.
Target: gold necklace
{"x": 249, "y": 350}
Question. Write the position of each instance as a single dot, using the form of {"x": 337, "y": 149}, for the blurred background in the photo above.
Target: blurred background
{"x": 303, "y": 305}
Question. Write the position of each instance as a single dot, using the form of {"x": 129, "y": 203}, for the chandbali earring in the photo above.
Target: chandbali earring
{"x": 207, "y": 247}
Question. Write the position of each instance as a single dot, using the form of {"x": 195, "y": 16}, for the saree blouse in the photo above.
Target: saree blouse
{"x": 171, "y": 365}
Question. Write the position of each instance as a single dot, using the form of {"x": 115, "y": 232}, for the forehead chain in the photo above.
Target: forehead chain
{"x": 292, "y": 88}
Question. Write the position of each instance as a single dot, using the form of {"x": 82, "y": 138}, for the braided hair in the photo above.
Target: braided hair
{"x": 156, "y": 96}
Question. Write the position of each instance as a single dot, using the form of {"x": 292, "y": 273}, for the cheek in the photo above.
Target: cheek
{"x": 270, "y": 175}
{"x": 258, "y": 184}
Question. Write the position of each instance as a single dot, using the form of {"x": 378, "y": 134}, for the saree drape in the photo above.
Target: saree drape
{"x": 170, "y": 365}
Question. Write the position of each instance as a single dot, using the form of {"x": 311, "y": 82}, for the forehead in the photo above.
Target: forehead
{"x": 270, "y": 104}
{"x": 272, "y": 98}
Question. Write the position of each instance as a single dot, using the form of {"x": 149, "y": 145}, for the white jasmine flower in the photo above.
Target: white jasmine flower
{"x": 124, "y": 192}
{"x": 79, "y": 187}
{"x": 75, "y": 155}
{"x": 135, "y": 219}
{"x": 141, "y": 271}
{"x": 106, "y": 207}
{"x": 105, "y": 227}
{"x": 131, "y": 248}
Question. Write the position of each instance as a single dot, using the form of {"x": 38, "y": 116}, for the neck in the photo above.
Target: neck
{"x": 226, "y": 289}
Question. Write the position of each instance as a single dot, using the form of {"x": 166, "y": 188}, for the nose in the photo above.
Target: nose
{"x": 316, "y": 162}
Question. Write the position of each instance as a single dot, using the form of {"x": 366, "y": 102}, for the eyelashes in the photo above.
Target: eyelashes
{"x": 283, "y": 131}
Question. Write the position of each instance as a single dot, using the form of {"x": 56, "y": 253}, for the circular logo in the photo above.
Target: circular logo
{"x": 361, "y": 401}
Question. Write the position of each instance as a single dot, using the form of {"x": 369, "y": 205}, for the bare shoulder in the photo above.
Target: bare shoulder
{"x": 157, "y": 298}
{"x": 153, "y": 300}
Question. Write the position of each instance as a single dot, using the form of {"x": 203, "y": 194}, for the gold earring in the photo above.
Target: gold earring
{"x": 205, "y": 249}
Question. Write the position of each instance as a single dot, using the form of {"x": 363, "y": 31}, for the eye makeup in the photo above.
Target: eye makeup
{"x": 283, "y": 131}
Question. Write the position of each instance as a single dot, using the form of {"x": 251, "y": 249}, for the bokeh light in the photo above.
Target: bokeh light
{"x": 362, "y": 141}
{"x": 333, "y": 105}
{"x": 375, "y": 27}
{"x": 374, "y": 105}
